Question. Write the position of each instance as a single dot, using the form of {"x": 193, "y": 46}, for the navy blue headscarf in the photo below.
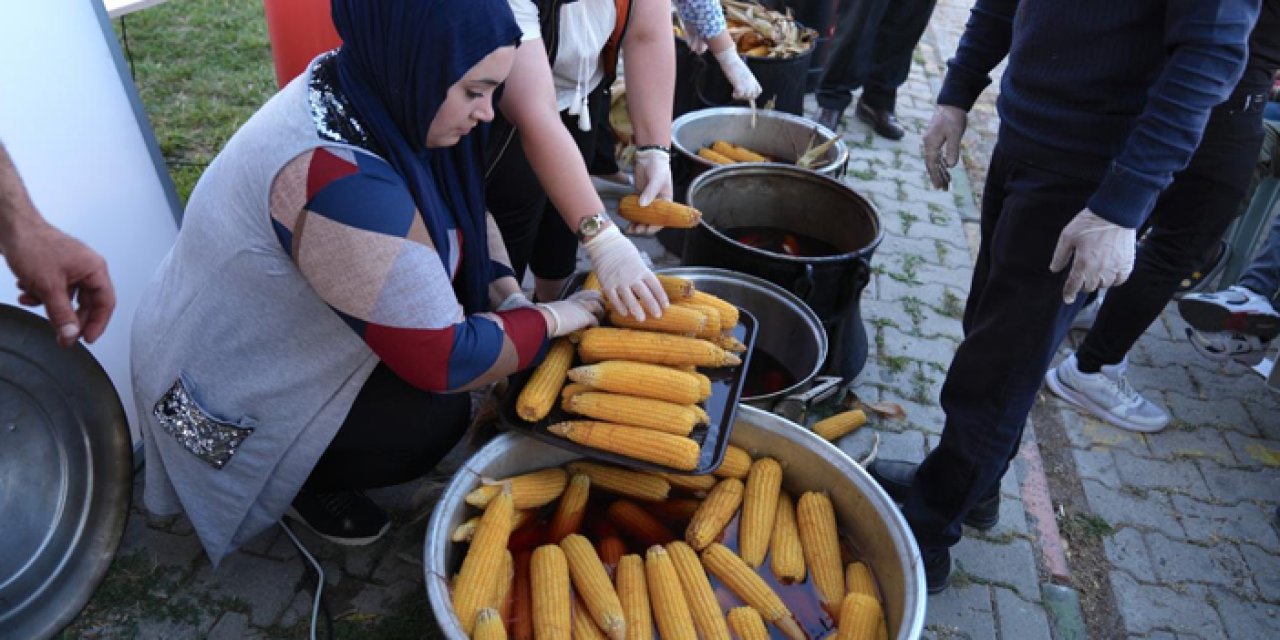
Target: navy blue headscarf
{"x": 396, "y": 64}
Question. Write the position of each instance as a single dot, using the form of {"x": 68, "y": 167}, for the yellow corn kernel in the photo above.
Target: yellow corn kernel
{"x": 607, "y": 343}
{"x": 636, "y": 523}
{"x": 860, "y": 618}
{"x": 715, "y": 157}
{"x": 816, "y": 518}
{"x": 528, "y": 491}
{"x": 707, "y": 618}
{"x": 572, "y": 389}
{"x": 736, "y": 152}
{"x": 714, "y": 513}
{"x": 489, "y": 626}
{"x": 502, "y": 586}
{"x": 840, "y": 424}
{"x": 592, "y": 283}
{"x": 677, "y": 288}
{"x": 584, "y": 628}
{"x": 467, "y": 530}
{"x": 634, "y": 442}
{"x": 674, "y": 319}
{"x": 659, "y": 212}
{"x": 591, "y": 581}
{"x": 858, "y": 579}
{"x": 713, "y": 328}
{"x": 699, "y": 484}
{"x": 660, "y": 415}
{"x": 640, "y": 379}
{"x": 729, "y": 343}
{"x": 539, "y": 393}
{"x": 759, "y": 508}
{"x": 670, "y": 609}
{"x": 473, "y": 589}
{"x": 747, "y": 624}
{"x": 736, "y": 463}
{"x": 570, "y": 509}
{"x": 786, "y": 557}
{"x": 751, "y": 588}
{"x": 728, "y": 312}
{"x": 703, "y": 418}
{"x": 551, "y": 596}
{"x": 640, "y": 485}
{"x": 634, "y": 594}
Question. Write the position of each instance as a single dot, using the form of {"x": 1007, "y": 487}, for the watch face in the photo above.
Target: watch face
{"x": 589, "y": 226}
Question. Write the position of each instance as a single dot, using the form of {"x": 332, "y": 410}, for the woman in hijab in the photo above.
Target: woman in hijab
{"x": 326, "y": 306}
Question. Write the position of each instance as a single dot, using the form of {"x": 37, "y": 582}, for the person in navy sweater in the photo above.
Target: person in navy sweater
{"x": 1101, "y": 102}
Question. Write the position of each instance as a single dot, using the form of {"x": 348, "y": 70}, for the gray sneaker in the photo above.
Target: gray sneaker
{"x": 1107, "y": 395}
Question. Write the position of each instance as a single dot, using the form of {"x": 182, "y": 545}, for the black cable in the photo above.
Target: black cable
{"x": 128, "y": 55}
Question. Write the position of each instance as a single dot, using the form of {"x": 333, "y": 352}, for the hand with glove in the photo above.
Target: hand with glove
{"x": 516, "y": 300}
{"x": 942, "y": 143}
{"x": 653, "y": 174}
{"x": 1100, "y": 252}
{"x": 628, "y": 285}
{"x": 745, "y": 85}
{"x": 579, "y": 311}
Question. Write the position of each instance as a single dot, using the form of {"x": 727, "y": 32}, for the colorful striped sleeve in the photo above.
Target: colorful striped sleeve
{"x": 351, "y": 227}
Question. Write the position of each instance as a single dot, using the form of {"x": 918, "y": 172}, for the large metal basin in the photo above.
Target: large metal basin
{"x": 865, "y": 513}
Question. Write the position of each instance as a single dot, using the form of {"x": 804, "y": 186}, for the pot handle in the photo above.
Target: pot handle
{"x": 796, "y": 406}
{"x": 803, "y": 286}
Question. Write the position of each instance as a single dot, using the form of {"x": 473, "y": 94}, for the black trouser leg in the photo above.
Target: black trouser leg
{"x": 850, "y": 53}
{"x": 1188, "y": 219}
{"x": 393, "y": 433}
{"x": 895, "y": 43}
{"x": 1014, "y": 318}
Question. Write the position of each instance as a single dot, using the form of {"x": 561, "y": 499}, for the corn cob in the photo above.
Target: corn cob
{"x": 467, "y": 530}
{"x": 502, "y": 586}
{"x": 551, "y": 596}
{"x": 736, "y": 463}
{"x": 759, "y": 508}
{"x": 606, "y": 343}
{"x": 648, "y": 487}
{"x": 699, "y": 484}
{"x": 747, "y": 624}
{"x": 659, "y": 212}
{"x": 860, "y": 618}
{"x": 474, "y": 587}
{"x": 707, "y": 617}
{"x": 611, "y": 549}
{"x": 816, "y": 518}
{"x": 751, "y": 588}
{"x": 634, "y": 594}
{"x": 636, "y": 523}
{"x": 584, "y": 628}
{"x": 712, "y": 313}
{"x": 670, "y": 609}
{"x": 729, "y": 343}
{"x": 704, "y": 385}
{"x": 680, "y": 320}
{"x": 858, "y": 579}
{"x": 570, "y": 509}
{"x": 677, "y": 288}
{"x": 635, "y": 442}
{"x": 840, "y": 424}
{"x": 714, "y": 513}
{"x": 786, "y": 557}
{"x": 703, "y": 418}
{"x": 528, "y": 491}
{"x": 718, "y": 158}
{"x": 640, "y": 379}
{"x": 572, "y": 389}
{"x": 728, "y": 312}
{"x": 660, "y": 415}
{"x": 736, "y": 152}
{"x": 539, "y": 393}
{"x": 677, "y": 511}
{"x": 521, "y": 619}
{"x": 761, "y": 51}
{"x": 592, "y": 282}
{"x": 591, "y": 581}
{"x": 489, "y": 626}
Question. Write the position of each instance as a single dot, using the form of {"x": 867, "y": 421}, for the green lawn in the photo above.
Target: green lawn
{"x": 202, "y": 68}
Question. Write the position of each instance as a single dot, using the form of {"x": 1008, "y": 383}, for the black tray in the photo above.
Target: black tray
{"x": 722, "y": 407}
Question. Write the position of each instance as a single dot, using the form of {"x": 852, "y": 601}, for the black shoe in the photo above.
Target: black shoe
{"x": 348, "y": 518}
{"x": 829, "y": 118}
{"x": 937, "y": 573}
{"x": 883, "y": 121}
{"x": 897, "y": 476}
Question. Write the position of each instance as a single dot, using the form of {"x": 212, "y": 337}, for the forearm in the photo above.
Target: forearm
{"x": 651, "y": 67}
{"x": 17, "y": 213}
{"x": 986, "y": 40}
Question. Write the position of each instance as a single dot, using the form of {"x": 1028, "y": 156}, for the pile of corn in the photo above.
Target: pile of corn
{"x": 724, "y": 152}
{"x": 533, "y": 571}
{"x": 638, "y": 387}
{"x": 762, "y": 33}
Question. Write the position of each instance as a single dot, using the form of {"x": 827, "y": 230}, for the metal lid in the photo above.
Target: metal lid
{"x": 65, "y": 476}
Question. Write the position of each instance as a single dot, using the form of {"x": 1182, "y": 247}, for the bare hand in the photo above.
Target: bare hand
{"x": 54, "y": 269}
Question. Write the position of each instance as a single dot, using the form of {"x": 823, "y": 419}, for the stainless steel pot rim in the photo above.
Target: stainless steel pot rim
{"x": 842, "y": 150}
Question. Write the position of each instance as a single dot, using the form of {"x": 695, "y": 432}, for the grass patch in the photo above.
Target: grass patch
{"x": 914, "y": 307}
{"x": 952, "y": 305}
{"x": 941, "y": 248}
{"x": 866, "y": 175}
{"x": 895, "y": 364}
{"x": 910, "y": 265}
{"x": 135, "y": 590}
{"x": 1085, "y": 526}
{"x": 908, "y": 220}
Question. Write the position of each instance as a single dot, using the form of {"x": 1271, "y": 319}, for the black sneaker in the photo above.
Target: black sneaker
{"x": 937, "y": 573}
{"x": 883, "y": 121}
{"x": 897, "y": 476}
{"x": 829, "y": 118}
{"x": 347, "y": 518}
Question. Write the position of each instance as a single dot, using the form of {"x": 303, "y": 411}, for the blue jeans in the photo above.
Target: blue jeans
{"x": 1263, "y": 276}
{"x": 1272, "y": 111}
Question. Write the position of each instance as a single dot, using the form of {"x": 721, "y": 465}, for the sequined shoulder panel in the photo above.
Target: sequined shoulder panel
{"x": 334, "y": 118}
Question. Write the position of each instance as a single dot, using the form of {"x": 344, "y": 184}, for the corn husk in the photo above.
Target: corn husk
{"x": 760, "y": 32}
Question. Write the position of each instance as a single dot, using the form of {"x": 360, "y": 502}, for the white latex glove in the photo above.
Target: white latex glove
{"x": 628, "y": 285}
{"x": 653, "y": 175}
{"x": 942, "y": 143}
{"x": 516, "y": 300}
{"x": 745, "y": 85}
{"x": 579, "y": 311}
{"x": 1102, "y": 250}
{"x": 697, "y": 44}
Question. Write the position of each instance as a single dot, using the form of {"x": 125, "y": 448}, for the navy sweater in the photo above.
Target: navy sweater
{"x": 1111, "y": 91}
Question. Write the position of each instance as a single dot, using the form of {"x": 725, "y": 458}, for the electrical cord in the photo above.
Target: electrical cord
{"x": 318, "y": 603}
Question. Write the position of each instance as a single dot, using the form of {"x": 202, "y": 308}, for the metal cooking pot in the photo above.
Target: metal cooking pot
{"x": 869, "y": 518}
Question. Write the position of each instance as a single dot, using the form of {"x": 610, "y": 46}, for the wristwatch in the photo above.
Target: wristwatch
{"x": 590, "y": 227}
